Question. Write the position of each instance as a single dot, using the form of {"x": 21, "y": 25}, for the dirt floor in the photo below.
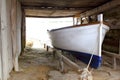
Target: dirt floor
{"x": 38, "y": 64}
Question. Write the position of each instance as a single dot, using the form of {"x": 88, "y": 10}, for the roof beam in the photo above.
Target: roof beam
{"x": 100, "y": 9}
{"x": 55, "y": 8}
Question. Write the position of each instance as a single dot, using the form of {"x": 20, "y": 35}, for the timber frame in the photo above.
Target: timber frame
{"x": 13, "y": 29}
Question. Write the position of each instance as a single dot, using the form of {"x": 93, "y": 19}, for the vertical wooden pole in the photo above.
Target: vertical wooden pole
{"x": 14, "y": 33}
{"x": 119, "y": 46}
{"x": 4, "y": 29}
{"x": 0, "y": 46}
{"x": 73, "y": 21}
{"x": 100, "y": 18}
{"x": 114, "y": 62}
{"x": 23, "y": 32}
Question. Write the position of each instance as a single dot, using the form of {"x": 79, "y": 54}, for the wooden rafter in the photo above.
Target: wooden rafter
{"x": 102, "y": 8}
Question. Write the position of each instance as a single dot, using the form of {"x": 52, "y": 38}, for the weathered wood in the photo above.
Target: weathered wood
{"x": 73, "y": 20}
{"x": 14, "y": 33}
{"x": 111, "y": 54}
{"x": 23, "y": 34}
{"x": 44, "y": 45}
{"x": 0, "y": 46}
{"x": 100, "y": 9}
{"x": 47, "y": 48}
{"x": 114, "y": 57}
{"x": 114, "y": 63}
{"x": 19, "y": 21}
{"x": 4, "y": 29}
{"x": 119, "y": 46}
{"x": 68, "y": 61}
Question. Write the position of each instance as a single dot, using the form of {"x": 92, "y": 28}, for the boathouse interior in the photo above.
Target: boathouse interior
{"x": 13, "y": 26}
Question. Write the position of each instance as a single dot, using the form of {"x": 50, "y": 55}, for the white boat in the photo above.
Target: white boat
{"x": 81, "y": 41}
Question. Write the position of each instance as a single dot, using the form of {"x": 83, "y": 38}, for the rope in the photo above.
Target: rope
{"x": 92, "y": 54}
{"x": 86, "y": 74}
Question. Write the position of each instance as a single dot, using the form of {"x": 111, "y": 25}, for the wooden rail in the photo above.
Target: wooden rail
{"x": 67, "y": 61}
{"x": 111, "y": 54}
{"x": 114, "y": 57}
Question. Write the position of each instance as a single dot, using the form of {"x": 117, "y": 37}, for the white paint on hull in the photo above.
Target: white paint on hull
{"x": 80, "y": 39}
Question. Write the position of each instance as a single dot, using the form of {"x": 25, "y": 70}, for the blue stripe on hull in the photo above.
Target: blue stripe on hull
{"x": 85, "y": 57}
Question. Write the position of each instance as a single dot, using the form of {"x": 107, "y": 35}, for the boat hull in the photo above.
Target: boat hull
{"x": 80, "y": 41}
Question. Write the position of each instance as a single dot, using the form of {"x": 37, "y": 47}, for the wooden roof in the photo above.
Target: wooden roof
{"x": 59, "y": 8}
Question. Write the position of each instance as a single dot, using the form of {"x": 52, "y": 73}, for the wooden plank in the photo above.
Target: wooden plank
{"x": 14, "y": 32}
{"x": 114, "y": 57}
{"x": 4, "y": 26}
{"x": 111, "y": 54}
{"x": 114, "y": 63}
{"x": 119, "y": 46}
{"x": 23, "y": 30}
{"x": 100, "y": 9}
{"x": 68, "y": 61}
{"x": 0, "y": 46}
{"x": 19, "y": 21}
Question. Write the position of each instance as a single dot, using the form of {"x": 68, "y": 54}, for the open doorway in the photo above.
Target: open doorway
{"x": 36, "y": 29}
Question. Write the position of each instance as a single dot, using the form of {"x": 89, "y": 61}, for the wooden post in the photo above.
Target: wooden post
{"x": 100, "y": 18}
{"x": 4, "y": 35}
{"x": 67, "y": 61}
{"x": 47, "y": 48}
{"x": 23, "y": 32}
{"x": 114, "y": 63}
{"x": 61, "y": 64}
{"x": 114, "y": 57}
{"x": 0, "y": 47}
{"x": 73, "y": 21}
{"x": 119, "y": 46}
{"x": 14, "y": 33}
{"x": 44, "y": 45}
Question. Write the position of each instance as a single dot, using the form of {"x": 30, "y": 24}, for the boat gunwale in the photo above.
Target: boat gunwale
{"x": 81, "y": 25}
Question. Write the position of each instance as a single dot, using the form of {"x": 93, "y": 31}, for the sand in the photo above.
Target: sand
{"x": 38, "y": 64}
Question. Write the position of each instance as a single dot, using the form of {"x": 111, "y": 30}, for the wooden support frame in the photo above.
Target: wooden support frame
{"x": 66, "y": 60}
{"x": 114, "y": 57}
{"x": 14, "y": 33}
{"x": 119, "y": 46}
{"x": 0, "y": 48}
{"x": 4, "y": 30}
{"x": 23, "y": 32}
{"x": 101, "y": 9}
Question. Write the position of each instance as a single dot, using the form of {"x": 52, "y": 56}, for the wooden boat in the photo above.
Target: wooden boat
{"x": 82, "y": 41}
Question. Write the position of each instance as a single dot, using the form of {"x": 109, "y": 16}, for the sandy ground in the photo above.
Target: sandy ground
{"x": 38, "y": 64}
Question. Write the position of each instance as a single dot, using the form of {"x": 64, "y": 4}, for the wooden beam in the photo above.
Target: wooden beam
{"x": 114, "y": 57}
{"x": 119, "y": 46}
{"x": 111, "y": 54}
{"x": 68, "y": 61}
{"x": 14, "y": 33}
{"x": 23, "y": 32}
{"x": 0, "y": 46}
{"x": 4, "y": 39}
{"x": 114, "y": 63}
{"x": 38, "y": 7}
{"x": 100, "y": 9}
